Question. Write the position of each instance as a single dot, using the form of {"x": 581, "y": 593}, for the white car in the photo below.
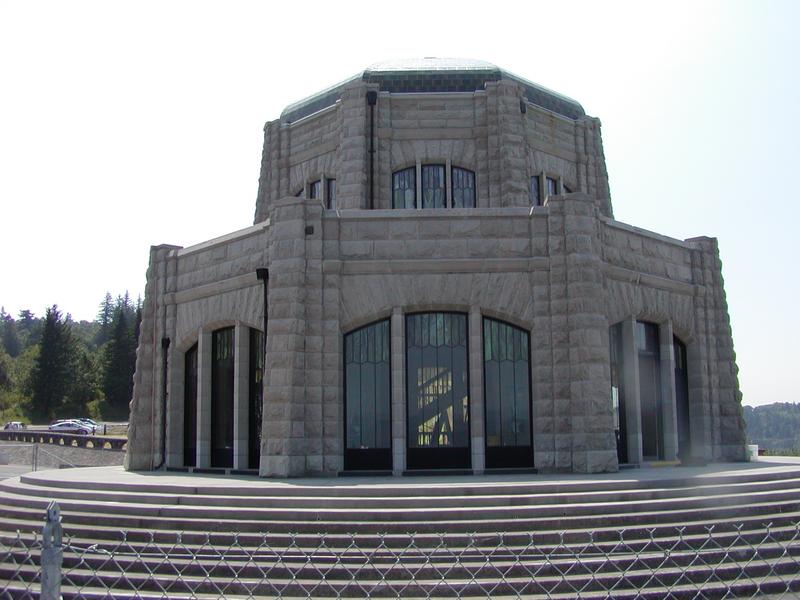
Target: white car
{"x": 70, "y": 426}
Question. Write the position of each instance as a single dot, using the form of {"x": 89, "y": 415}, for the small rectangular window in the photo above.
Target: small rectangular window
{"x": 404, "y": 188}
{"x": 315, "y": 189}
{"x": 433, "y": 186}
{"x": 463, "y": 182}
{"x": 552, "y": 186}
{"x": 536, "y": 196}
{"x": 330, "y": 193}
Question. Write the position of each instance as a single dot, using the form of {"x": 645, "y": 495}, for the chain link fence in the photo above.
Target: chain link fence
{"x": 720, "y": 561}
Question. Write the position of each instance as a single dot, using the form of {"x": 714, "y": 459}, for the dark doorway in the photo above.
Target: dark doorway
{"x": 618, "y": 392}
{"x": 255, "y": 398}
{"x": 190, "y": 407}
{"x": 650, "y": 389}
{"x": 437, "y": 389}
{"x": 507, "y": 395}
{"x": 682, "y": 399}
{"x": 367, "y": 407}
{"x": 222, "y": 361}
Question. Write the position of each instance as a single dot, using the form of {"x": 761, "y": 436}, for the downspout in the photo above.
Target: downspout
{"x": 164, "y": 354}
{"x": 372, "y": 99}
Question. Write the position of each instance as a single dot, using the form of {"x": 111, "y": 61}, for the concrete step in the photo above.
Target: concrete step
{"x": 398, "y": 503}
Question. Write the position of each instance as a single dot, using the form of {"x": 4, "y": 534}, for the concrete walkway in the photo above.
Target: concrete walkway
{"x": 117, "y": 475}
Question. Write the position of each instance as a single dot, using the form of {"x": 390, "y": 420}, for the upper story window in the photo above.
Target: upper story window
{"x": 536, "y": 193}
{"x": 434, "y": 188}
{"x": 330, "y": 193}
{"x": 315, "y": 189}
{"x": 552, "y": 186}
{"x": 463, "y": 182}
{"x": 436, "y": 191}
{"x": 404, "y": 188}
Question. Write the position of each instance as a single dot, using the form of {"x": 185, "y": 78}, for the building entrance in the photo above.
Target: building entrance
{"x": 437, "y": 389}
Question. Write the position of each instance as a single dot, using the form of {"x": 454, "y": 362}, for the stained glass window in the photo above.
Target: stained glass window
{"x": 437, "y": 380}
{"x": 222, "y": 397}
{"x": 506, "y": 384}
{"x": 463, "y": 182}
{"x": 404, "y": 188}
{"x": 433, "y": 187}
{"x": 368, "y": 387}
{"x": 255, "y": 397}
{"x": 536, "y": 194}
{"x": 190, "y": 408}
{"x": 330, "y": 193}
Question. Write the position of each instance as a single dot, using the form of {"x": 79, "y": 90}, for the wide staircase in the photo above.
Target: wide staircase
{"x": 672, "y": 533}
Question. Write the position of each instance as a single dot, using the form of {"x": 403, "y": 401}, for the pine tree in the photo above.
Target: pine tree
{"x": 104, "y": 317}
{"x": 52, "y": 373}
{"x": 119, "y": 362}
{"x": 9, "y": 340}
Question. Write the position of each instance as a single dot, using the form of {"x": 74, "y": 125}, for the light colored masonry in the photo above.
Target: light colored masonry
{"x": 551, "y": 261}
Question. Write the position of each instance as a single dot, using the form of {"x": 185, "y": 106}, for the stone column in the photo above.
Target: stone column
{"x": 508, "y": 169}
{"x": 175, "y": 406}
{"x": 241, "y": 399}
{"x": 351, "y": 181}
{"x": 476, "y": 399}
{"x": 144, "y": 435}
{"x": 580, "y": 338}
{"x": 399, "y": 426}
{"x": 669, "y": 411}
{"x": 630, "y": 384}
{"x": 283, "y": 426}
{"x": 204, "y": 365}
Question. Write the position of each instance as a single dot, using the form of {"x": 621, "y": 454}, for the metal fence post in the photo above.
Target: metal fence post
{"x": 51, "y": 553}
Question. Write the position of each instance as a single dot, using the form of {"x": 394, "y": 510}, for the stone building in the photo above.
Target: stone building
{"x": 443, "y": 285}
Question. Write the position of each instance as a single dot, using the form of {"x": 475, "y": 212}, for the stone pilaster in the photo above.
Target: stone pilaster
{"x": 508, "y": 185}
{"x": 584, "y": 439}
{"x": 476, "y": 395}
{"x": 717, "y": 385}
{"x": 632, "y": 392}
{"x": 352, "y": 180}
{"x": 204, "y": 366}
{"x": 145, "y": 442}
{"x": 669, "y": 415}
{"x": 241, "y": 404}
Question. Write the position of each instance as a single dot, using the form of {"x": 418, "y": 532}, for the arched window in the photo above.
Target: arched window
{"x": 222, "y": 365}
{"x": 368, "y": 391}
{"x": 404, "y": 188}
{"x": 463, "y": 182}
{"x": 434, "y": 189}
{"x": 437, "y": 389}
{"x": 507, "y": 393}
{"x": 190, "y": 407}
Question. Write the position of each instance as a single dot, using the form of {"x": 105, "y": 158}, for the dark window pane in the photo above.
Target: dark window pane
{"x": 437, "y": 381}
{"x": 222, "y": 361}
{"x": 368, "y": 387}
{"x": 650, "y": 389}
{"x": 536, "y": 194}
{"x": 404, "y": 188}
{"x": 256, "y": 396}
{"x": 506, "y": 368}
{"x": 330, "y": 193}
{"x": 433, "y": 186}
{"x": 190, "y": 408}
{"x": 567, "y": 189}
{"x": 299, "y": 193}
{"x": 315, "y": 190}
{"x": 463, "y": 182}
{"x": 552, "y": 186}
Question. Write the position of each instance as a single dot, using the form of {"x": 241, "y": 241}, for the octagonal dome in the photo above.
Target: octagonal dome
{"x": 430, "y": 74}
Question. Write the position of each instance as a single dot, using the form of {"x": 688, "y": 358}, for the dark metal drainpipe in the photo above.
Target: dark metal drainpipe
{"x": 164, "y": 353}
{"x": 372, "y": 99}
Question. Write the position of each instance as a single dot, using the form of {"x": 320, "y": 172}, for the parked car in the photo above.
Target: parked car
{"x": 91, "y": 424}
{"x": 14, "y": 425}
{"x": 70, "y": 426}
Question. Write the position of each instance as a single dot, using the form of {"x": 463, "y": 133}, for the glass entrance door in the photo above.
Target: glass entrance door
{"x": 437, "y": 389}
{"x": 507, "y": 394}
{"x": 367, "y": 368}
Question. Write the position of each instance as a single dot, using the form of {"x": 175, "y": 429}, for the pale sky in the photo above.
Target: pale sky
{"x": 129, "y": 124}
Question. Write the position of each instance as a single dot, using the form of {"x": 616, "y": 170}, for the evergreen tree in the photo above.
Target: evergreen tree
{"x": 119, "y": 363}
{"x": 104, "y": 317}
{"x": 51, "y": 377}
{"x": 10, "y": 340}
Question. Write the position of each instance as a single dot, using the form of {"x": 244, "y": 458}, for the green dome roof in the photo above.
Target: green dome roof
{"x": 435, "y": 75}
